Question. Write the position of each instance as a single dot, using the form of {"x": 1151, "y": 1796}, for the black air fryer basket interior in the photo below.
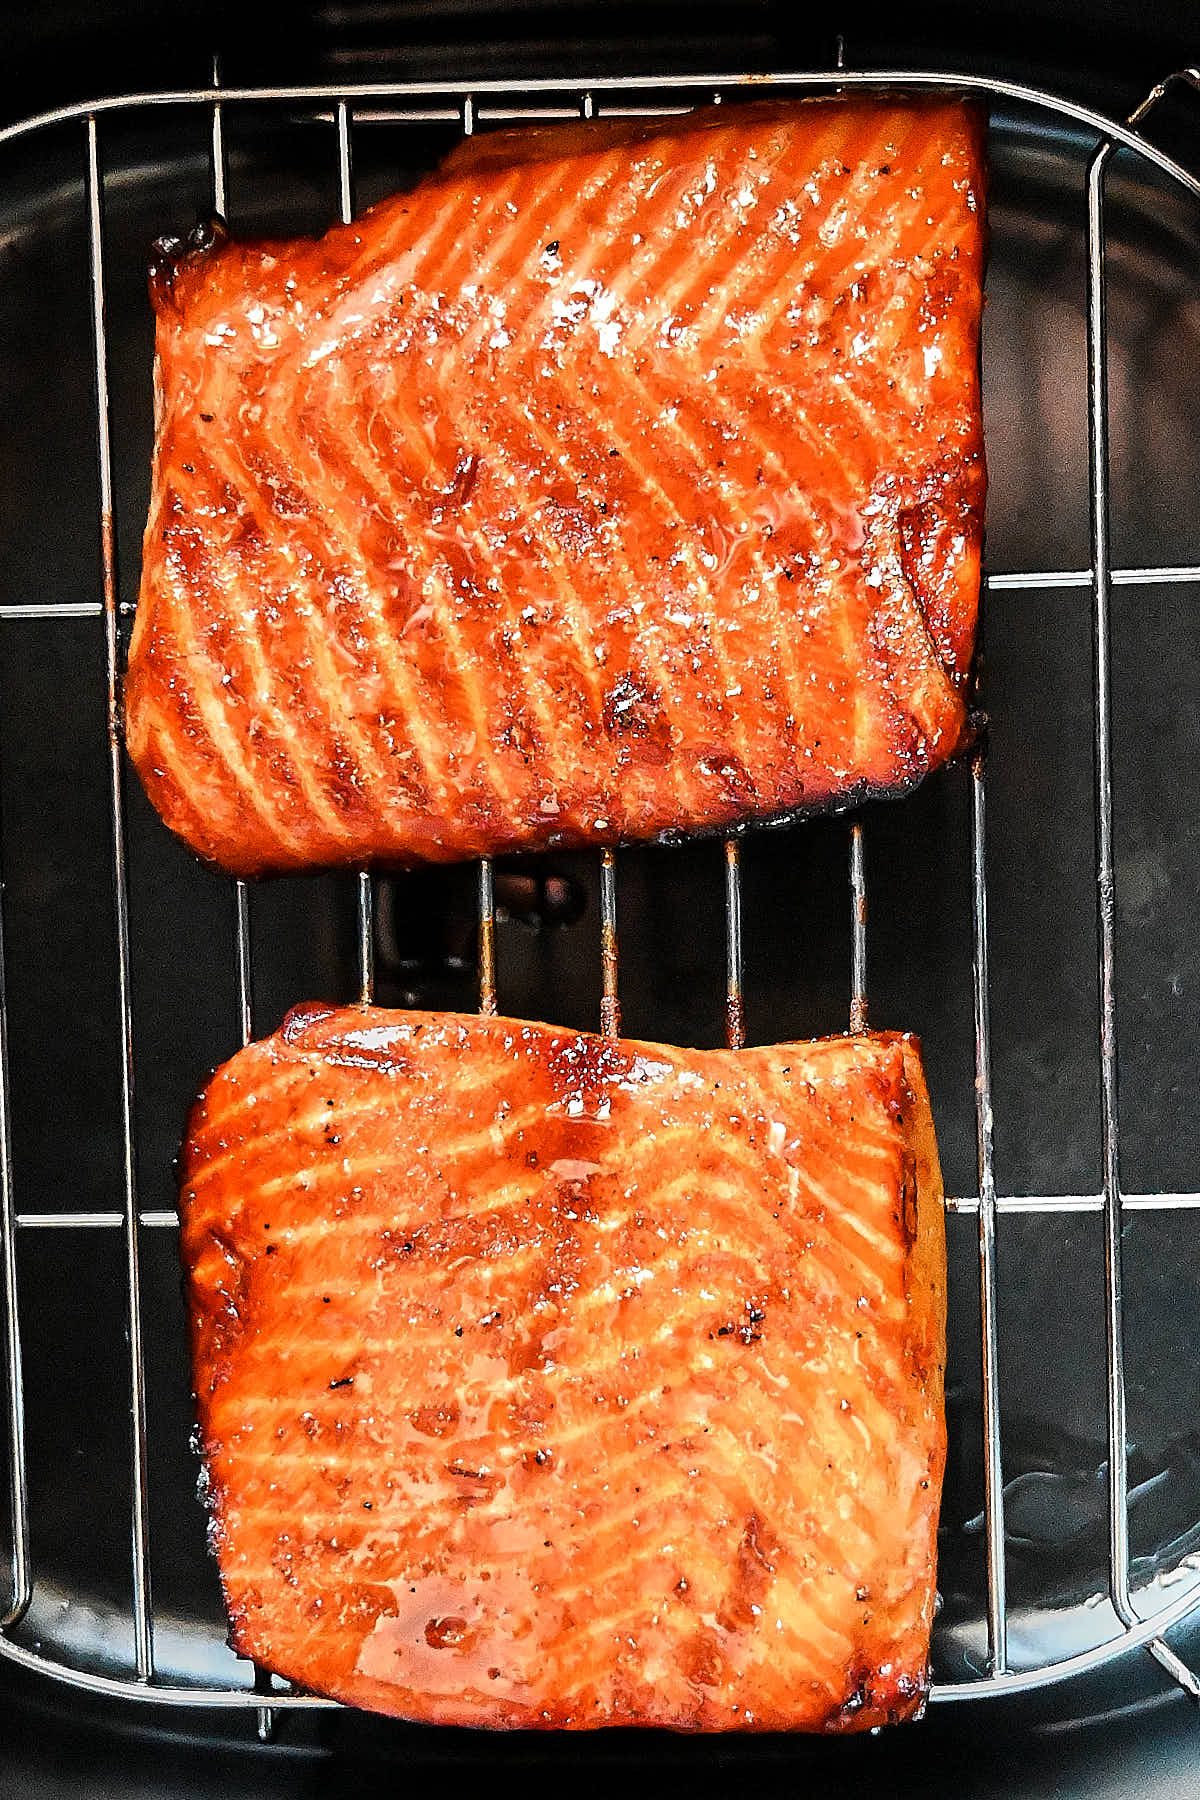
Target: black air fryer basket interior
{"x": 1123, "y": 1719}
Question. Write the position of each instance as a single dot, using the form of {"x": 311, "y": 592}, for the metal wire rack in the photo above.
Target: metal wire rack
{"x": 492, "y": 102}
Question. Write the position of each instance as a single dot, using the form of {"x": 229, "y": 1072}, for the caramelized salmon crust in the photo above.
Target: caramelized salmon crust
{"x": 546, "y": 1380}
{"x": 619, "y": 479}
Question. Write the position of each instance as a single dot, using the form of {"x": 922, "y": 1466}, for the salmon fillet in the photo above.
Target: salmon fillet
{"x": 620, "y": 479}
{"x": 546, "y": 1380}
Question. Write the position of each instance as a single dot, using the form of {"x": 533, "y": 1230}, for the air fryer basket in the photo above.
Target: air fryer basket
{"x": 970, "y": 913}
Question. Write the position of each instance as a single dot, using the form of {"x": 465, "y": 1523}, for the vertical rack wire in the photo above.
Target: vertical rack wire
{"x": 242, "y": 955}
{"x": 1099, "y": 522}
{"x": 858, "y": 930}
{"x": 487, "y": 937}
{"x": 21, "y": 1593}
{"x": 366, "y": 937}
{"x": 366, "y": 888}
{"x": 735, "y": 1011}
{"x": 139, "y": 1508}
{"x": 610, "y": 1000}
{"x": 610, "y": 1003}
{"x": 241, "y": 892}
{"x": 993, "y": 1476}
{"x": 487, "y": 877}
{"x": 217, "y": 146}
{"x": 345, "y": 155}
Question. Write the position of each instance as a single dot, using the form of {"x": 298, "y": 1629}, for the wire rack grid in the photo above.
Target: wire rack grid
{"x": 485, "y": 103}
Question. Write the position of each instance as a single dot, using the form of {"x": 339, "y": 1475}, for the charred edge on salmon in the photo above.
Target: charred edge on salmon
{"x": 169, "y": 255}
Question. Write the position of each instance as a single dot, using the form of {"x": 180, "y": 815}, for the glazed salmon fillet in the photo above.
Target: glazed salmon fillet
{"x": 620, "y": 479}
{"x": 547, "y": 1380}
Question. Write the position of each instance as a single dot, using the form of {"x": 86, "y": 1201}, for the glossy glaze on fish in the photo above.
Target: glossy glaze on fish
{"x": 546, "y": 1380}
{"x": 620, "y": 479}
